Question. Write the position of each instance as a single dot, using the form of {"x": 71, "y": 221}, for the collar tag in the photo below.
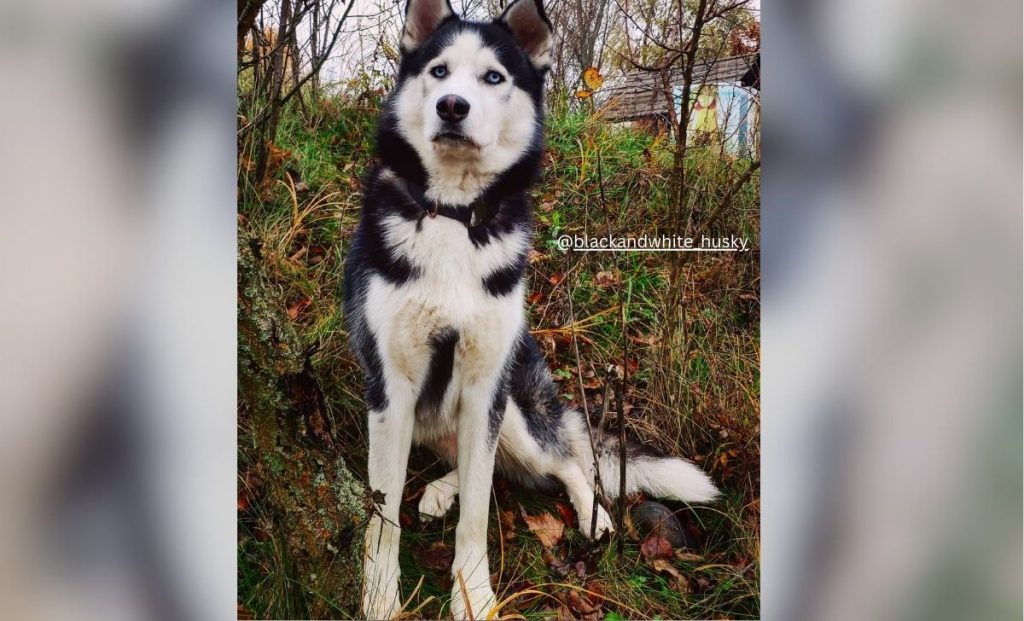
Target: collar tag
{"x": 472, "y": 215}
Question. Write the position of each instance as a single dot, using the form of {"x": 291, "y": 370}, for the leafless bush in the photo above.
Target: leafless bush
{"x": 282, "y": 46}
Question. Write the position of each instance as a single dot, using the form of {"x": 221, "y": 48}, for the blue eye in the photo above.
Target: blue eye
{"x": 493, "y": 77}
{"x": 439, "y": 71}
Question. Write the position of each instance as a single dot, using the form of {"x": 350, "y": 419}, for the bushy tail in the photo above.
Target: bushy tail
{"x": 660, "y": 477}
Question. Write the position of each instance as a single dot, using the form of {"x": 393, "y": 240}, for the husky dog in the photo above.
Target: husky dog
{"x": 434, "y": 302}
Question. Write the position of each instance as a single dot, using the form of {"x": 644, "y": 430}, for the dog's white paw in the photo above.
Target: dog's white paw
{"x": 480, "y": 599}
{"x": 381, "y": 599}
{"x": 604, "y": 523}
{"x": 438, "y": 498}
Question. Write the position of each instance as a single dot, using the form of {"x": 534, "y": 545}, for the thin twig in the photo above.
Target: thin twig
{"x": 620, "y": 403}
{"x": 598, "y": 485}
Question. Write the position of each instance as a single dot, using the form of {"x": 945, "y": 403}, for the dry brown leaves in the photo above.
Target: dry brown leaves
{"x": 546, "y": 527}
{"x": 606, "y": 279}
{"x": 507, "y": 520}
{"x": 438, "y": 557}
{"x": 577, "y": 605}
{"x": 655, "y": 547}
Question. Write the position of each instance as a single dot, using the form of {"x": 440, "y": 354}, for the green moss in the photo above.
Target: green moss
{"x": 311, "y": 497}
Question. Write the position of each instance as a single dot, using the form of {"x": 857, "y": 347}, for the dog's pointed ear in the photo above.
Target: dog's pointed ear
{"x": 531, "y": 28}
{"x": 422, "y": 17}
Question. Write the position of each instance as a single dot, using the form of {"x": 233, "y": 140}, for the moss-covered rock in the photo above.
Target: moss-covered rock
{"x": 307, "y": 494}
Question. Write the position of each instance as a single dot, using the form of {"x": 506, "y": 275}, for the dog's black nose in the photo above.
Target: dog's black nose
{"x": 452, "y": 108}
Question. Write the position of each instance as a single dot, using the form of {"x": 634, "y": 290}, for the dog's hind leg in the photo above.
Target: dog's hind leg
{"x": 390, "y": 435}
{"x": 533, "y": 458}
{"x": 581, "y": 492}
{"x": 439, "y": 496}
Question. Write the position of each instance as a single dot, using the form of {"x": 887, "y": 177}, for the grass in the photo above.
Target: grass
{"x": 304, "y": 234}
{"x": 623, "y": 584}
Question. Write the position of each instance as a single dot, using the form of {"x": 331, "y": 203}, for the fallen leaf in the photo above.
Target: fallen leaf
{"x": 581, "y": 570}
{"x": 533, "y": 256}
{"x": 596, "y": 589}
{"x": 298, "y": 307}
{"x": 508, "y": 524}
{"x": 605, "y": 279}
{"x": 688, "y": 557}
{"x": 547, "y": 527}
{"x": 583, "y": 94}
{"x": 654, "y": 547}
{"x": 568, "y": 515}
{"x": 556, "y": 563}
{"x": 438, "y": 557}
{"x": 661, "y": 565}
{"x": 582, "y": 605}
{"x": 556, "y": 278}
{"x": 535, "y": 297}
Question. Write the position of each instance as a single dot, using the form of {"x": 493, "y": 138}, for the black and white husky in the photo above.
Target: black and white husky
{"x": 434, "y": 305}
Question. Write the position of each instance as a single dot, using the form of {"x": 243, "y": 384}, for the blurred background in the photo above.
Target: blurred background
{"x": 891, "y": 293}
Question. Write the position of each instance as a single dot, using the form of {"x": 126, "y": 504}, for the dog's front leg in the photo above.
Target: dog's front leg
{"x": 390, "y": 435}
{"x": 480, "y": 413}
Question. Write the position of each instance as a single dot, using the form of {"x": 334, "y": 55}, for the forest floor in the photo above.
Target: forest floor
{"x": 301, "y": 221}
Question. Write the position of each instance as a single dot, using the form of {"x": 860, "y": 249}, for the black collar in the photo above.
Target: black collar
{"x": 475, "y": 214}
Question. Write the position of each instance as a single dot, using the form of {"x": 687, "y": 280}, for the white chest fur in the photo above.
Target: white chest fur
{"x": 448, "y": 293}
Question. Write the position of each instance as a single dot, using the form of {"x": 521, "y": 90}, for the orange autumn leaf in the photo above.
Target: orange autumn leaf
{"x": 583, "y": 94}
{"x": 295, "y": 309}
{"x": 568, "y": 516}
{"x": 547, "y": 527}
{"x": 592, "y": 78}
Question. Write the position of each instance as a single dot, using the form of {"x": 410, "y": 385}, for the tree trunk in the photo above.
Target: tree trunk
{"x": 247, "y": 12}
{"x": 277, "y": 63}
{"x": 675, "y": 342}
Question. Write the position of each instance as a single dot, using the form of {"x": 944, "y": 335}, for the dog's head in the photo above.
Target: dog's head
{"x": 470, "y": 94}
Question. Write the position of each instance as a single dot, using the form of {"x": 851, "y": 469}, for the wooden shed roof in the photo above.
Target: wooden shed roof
{"x": 643, "y": 94}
